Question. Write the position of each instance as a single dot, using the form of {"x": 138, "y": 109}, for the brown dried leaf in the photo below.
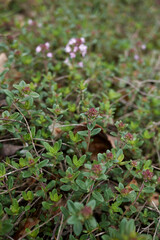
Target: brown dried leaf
{"x": 3, "y": 59}
{"x": 9, "y": 149}
{"x": 154, "y": 200}
{"x": 30, "y": 223}
{"x": 56, "y": 130}
{"x": 100, "y": 143}
{"x": 129, "y": 188}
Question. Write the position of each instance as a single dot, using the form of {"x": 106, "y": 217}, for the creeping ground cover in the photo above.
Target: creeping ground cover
{"x": 79, "y": 120}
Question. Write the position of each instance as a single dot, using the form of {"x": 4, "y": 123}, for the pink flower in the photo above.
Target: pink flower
{"x": 67, "y": 62}
{"x": 49, "y": 55}
{"x": 38, "y": 49}
{"x": 72, "y": 41}
{"x": 68, "y": 49}
{"x": 143, "y": 46}
{"x": 75, "y": 49}
{"x": 82, "y": 40}
{"x": 83, "y": 49}
{"x": 97, "y": 169}
{"x": 136, "y": 57}
{"x": 129, "y": 136}
{"x": 147, "y": 175}
{"x": 86, "y": 212}
{"x": 109, "y": 156}
{"x": 30, "y": 21}
{"x": 39, "y": 25}
{"x": 72, "y": 55}
{"x": 80, "y": 64}
{"x": 47, "y": 45}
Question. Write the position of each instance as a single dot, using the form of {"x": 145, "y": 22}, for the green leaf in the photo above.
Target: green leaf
{"x": 134, "y": 187}
{"x": 9, "y": 93}
{"x": 147, "y": 134}
{"x": 46, "y": 205}
{"x": 149, "y": 189}
{"x": 72, "y": 219}
{"x": 83, "y": 133}
{"x": 2, "y": 169}
{"x": 95, "y": 131}
{"x": 26, "y": 174}
{"x": 81, "y": 184}
{"x": 51, "y": 184}
{"x": 1, "y": 209}
{"x": 10, "y": 182}
{"x": 91, "y": 223}
{"x": 71, "y": 207}
{"x": 65, "y": 212}
{"x": 43, "y": 163}
{"x": 5, "y": 226}
{"x": 92, "y": 204}
{"x": 77, "y": 228}
{"x": 65, "y": 187}
{"x": 98, "y": 196}
{"x": 34, "y": 95}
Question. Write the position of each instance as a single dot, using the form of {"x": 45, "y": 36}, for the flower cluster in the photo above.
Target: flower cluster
{"x": 147, "y": 175}
{"x": 109, "y": 155}
{"x": 134, "y": 163}
{"x": 33, "y": 23}
{"x": 129, "y": 136}
{"x": 74, "y": 47}
{"x": 86, "y": 212}
{"x": 97, "y": 169}
{"x": 135, "y": 51}
{"x": 92, "y": 113}
{"x": 44, "y": 48}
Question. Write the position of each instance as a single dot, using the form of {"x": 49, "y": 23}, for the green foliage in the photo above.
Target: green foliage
{"x": 79, "y": 120}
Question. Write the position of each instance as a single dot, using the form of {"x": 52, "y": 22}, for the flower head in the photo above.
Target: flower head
{"x": 68, "y": 49}
{"x": 80, "y": 64}
{"x": 38, "y": 49}
{"x": 129, "y": 136}
{"x": 97, "y": 169}
{"x": 30, "y": 22}
{"x": 72, "y": 41}
{"x": 143, "y": 46}
{"x": 92, "y": 113}
{"x": 86, "y": 212}
{"x": 109, "y": 155}
{"x": 47, "y": 45}
{"x": 49, "y": 55}
{"x": 67, "y": 62}
{"x": 147, "y": 175}
{"x": 83, "y": 49}
{"x": 72, "y": 55}
{"x": 136, "y": 57}
{"x": 75, "y": 46}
